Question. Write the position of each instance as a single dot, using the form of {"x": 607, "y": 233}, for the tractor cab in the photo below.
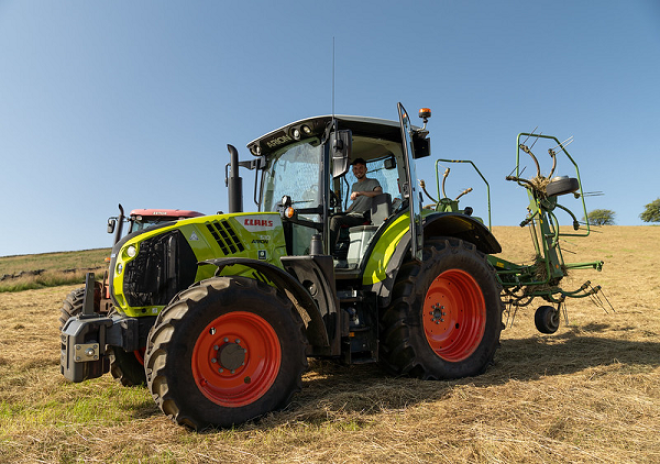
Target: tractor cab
{"x": 307, "y": 180}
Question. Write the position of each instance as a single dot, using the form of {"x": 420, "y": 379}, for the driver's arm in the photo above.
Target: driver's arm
{"x": 375, "y": 192}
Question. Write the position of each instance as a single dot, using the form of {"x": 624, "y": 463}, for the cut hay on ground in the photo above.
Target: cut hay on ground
{"x": 590, "y": 393}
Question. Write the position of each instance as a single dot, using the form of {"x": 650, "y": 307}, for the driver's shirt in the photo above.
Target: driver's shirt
{"x": 362, "y": 203}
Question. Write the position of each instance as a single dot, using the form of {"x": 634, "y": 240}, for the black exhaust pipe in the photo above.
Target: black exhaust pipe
{"x": 234, "y": 183}
{"x": 120, "y": 223}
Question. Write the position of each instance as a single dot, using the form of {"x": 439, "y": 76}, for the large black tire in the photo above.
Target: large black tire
{"x": 72, "y": 305}
{"x": 127, "y": 367}
{"x": 226, "y": 350}
{"x": 446, "y": 314}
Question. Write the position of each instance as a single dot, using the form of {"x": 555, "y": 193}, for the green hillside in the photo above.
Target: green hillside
{"x": 49, "y": 269}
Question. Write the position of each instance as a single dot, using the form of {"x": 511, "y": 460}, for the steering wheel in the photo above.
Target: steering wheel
{"x": 334, "y": 199}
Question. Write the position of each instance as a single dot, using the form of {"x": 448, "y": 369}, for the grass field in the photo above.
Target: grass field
{"x": 589, "y": 393}
{"x": 18, "y": 273}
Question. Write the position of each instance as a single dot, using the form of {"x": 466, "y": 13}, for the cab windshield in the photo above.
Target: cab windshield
{"x": 294, "y": 172}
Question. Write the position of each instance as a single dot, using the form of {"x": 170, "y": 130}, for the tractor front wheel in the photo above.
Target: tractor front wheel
{"x": 445, "y": 318}
{"x": 225, "y": 351}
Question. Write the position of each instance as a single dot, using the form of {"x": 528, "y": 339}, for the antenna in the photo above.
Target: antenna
{"x": 333, "y": 77}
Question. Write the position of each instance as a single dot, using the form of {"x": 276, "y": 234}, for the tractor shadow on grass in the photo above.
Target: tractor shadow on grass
{"x": 352, "y": 397}
{"x": 333, "y": 393}
{"x": 574, "y": 350}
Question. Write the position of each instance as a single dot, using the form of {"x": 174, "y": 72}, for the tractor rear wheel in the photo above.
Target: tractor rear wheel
{"x": 226, "y": 350}
{"x": 446, "y": 314}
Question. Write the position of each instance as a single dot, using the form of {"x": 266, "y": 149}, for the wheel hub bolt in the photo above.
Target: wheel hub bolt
{"x": 437, "y": 313}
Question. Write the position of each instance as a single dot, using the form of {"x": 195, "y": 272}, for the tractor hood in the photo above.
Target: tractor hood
{"x": 149, "y": 267}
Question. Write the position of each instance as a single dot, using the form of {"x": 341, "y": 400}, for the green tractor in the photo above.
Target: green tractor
{"x": 228, "y": 308}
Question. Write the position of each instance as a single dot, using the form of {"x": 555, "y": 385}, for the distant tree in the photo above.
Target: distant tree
{"x": 601, "y": 217}
{"x": 652, "y": 212}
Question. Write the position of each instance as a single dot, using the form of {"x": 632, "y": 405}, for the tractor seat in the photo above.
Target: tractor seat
{"x": 360, "y": 236}
{"x": 381, "y": 209}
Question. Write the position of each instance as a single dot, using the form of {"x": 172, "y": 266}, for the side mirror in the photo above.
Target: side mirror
{"x": 341, "y": 145}
{"x": 422, "y": 146}
{"x": 111, "y": 225}
{"x": 390, "y": 163}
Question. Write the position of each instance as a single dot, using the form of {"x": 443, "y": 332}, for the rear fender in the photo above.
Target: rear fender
{"x": 455, "y": 225}
{"x": 464, "y": 227}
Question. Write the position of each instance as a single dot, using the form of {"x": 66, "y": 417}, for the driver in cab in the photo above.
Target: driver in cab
{"x": 359, "y": 212}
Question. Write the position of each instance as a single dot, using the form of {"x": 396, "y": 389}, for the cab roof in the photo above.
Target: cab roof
{"x": 316, "y": 126}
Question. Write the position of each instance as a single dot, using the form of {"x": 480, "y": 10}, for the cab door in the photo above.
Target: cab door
{"x": 410, "y": 188}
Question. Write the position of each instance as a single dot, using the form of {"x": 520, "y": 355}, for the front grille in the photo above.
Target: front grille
{"x": 226, "y": 237}
{"x": 164, "y": 266}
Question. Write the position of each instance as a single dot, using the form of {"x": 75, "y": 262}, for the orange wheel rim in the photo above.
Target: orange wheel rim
{"x": 454, "y": 315}
{"x": 236, "y": 359}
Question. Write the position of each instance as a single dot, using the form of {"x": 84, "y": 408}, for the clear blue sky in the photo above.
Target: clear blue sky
{"x": 134, "y": 102}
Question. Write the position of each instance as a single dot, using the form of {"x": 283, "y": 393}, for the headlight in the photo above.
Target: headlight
{"x": 131, "y": 251}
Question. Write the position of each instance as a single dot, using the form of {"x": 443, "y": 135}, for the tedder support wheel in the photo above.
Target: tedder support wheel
{"x": 446, "y": 314}
{"x": 226, "y": 350}
{"x": 562, "y": 186}
{"x": 546, "y": 319}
